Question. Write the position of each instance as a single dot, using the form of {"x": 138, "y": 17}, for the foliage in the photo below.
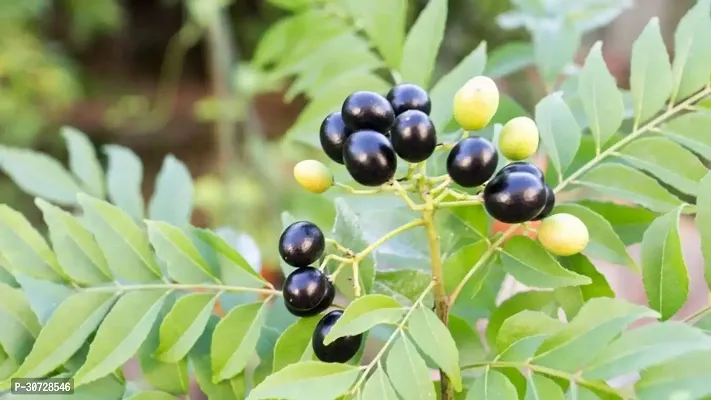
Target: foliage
{"x": 120, "y": 277}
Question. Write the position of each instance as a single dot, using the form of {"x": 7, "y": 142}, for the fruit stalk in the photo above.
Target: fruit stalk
{"x": 440, "y": 294}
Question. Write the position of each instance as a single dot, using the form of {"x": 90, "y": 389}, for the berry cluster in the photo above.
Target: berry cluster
{"x": 309, "y": 292}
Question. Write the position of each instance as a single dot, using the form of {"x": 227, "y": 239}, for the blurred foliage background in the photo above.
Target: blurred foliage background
{"x": 175, "y": 76}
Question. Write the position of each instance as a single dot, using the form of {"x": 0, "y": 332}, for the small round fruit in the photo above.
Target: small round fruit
{"x": 369, "y": 158}
{"x": 333, "y": 134}
{"x": 563, "y": 234}
{"x": 340, "y": 350}
{"x": 313, "y": 175}
{"x": 367, "y": 110}
{"x": 514, "y": 197}
{"x": 301, "y": 244}
{"x": 304, "y": 291}
{"x": 472, "y": 161}
{"x": 408, "y": 96}
{"x": 475, "y": 103}
{"x": 519, "y": 139}
{"x": 520, "y": 166}
{"x": 550, "y": 203}
{"x": 413, "y": 136}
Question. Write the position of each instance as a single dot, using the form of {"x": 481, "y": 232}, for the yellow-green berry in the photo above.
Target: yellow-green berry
{"x": 519, "y": 139}
{"x": 563, "y": 234}
{"x": 475, "y": 103}
{"x": 313, "y": 175}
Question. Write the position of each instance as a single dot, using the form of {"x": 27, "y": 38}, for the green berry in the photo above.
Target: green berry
{"x": 519, "y": 139}
{"x": 563, "y": 234}
{"x": 313, "y": 175}
{"x": 475, "y": 103}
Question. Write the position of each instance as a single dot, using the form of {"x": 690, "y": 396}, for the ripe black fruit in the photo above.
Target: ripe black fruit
{"x": 369, "y": 158}
{"x": 342, "y": 349}
{"x": 550, "y": 203}
{"x": 301, "y": 244}
{"x": 367, "y": 110}
{"x": 520, "y": 166}
{"x": 514, "y": 197}
{"x": 307, "y": 292}
{"x": 413, "y": 136}
{"x": 407, "y": 96}
{"x": 472, "y": 161}
{"x": 333, "y": 134}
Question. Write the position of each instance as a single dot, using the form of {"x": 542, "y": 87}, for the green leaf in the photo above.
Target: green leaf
{"x": 83, "y": 161}
{"x": 363, "y": 314}
{"x": 508, "y": 58}
{"x": 626, "y": 183}
{"x": 457, "y": 265}
{"x": 384, "y": 23}
{"x": 685, "y": 377}
{"x": 172, "y": 199}
{"x": 532, "y": 265}
{"x": 604, "y": 243}
{"x": 688, "y": 131}
{"x": 422, "y": 44}
{"x": 235, "y": 340}
{"x": 65, "y": 332}
{"x": 444, "y": 90}
{"x": 492, "y": 385}
{"x": 666, "y": 280}
{"x": 539, "y": 387}
{"x": 152, "y": 395}
{"x": 650, "y": 72}
{"x": 378, "y": 386}
{"x": 183, "y": 326}
{"x": 530, "y": 300}
{"x": 435, "y": 341}
{"x": 233, "y": 268}
{"x": 467, "y": 341}
{"x": 124, "y": 176}
{"x": 407, "y": 371}
{"x": 24, "y": 249}
{"x": 554, "y": 45}
{"x": 668, "y": 161}
{"x": 19, "y": 324}
{"x": 560, "y": 133}
{"x": 38, "y": 174}
{"x": 522, "y": 333}
{"x": 599, "y": 321}
{"x": 628, "y": 221}
{"x": 298, "y": 381}
{"x": 641, "y": 348}
{"x": 572, "y": 299}
{"x": 201, "y": 362}
{"x": 294, "y": 343}
{"x": 6, "y": 276}
{"x": 405, "y": 285}
{"x": 185, "y": 265}
{"x": 703, "y": 223}
{"x": 124, "y": 244}
{"x": 692, "y": 63}
{"x": 46, "y": 295}
{"x": 601, "y": 99}
{"x": 75, "y": 246}
{"x": 121, "y": 334}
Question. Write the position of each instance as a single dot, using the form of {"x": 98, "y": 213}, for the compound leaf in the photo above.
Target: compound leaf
{"x": 364, "y": 313}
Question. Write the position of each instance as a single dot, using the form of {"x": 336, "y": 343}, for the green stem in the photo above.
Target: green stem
{"x": 179, "y": 286}
{"x": 698, "y": 314}
{"x": 412, "y": 224}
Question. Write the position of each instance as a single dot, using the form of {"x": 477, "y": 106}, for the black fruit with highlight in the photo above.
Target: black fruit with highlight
{"x": 472, "y": 161}
{"x": 550, "y": 203}
{"x": 301, "y": 244}
{"x": 307, "y": 291}
{"x": 332, "y": 135}
{"x": 408, "y": 96}
{"x": 342, "y": 349}
{"x": 521, "y": 166}
{"x": 367, "y": 110}
{"x": 514, "y": 197}
{"x": 369, "y": 158}
{"x": 413, "y": 136}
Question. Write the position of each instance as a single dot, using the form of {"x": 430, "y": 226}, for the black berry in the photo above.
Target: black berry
{"x": 333, "y": 134}
{"x": 307, "y": 292}
{"x": 514, "y": 197}
{"x": 369, "y": 158}
{"x": 550, "y": 203}
{"x": 342, "y": 349}
{"x": 367, "y": 110}
{"x": 520, "y": 166}
{"x": 413, "y": 136}
{"x": 407, "y": 96}
{"x": 472, "y": 161}
{"x": 301, "y": 244}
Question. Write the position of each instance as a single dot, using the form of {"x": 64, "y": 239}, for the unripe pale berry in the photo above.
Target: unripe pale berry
{"x": 313, "y": 175}
{"x": 563, "y": 234}
{"x": 519, "y": 139}
{"x": 475, "y": 103}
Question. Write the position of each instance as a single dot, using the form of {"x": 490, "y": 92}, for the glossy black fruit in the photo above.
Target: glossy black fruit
{"x": 472, "y": 161}
{"x": 407, "y": 96}
{"x": 342, "y": 349}
{"x": 301, "y": 244}
{"x": 413, "y": 136}
{"x": 367, "y": 110}
{"x": 333, "y": 134}
{"x": 514, "y": 197}
{"x": 307, "y": 292}
{"x": 520, "y": 166}
{"x": 369, "y": 158}
{"x": 550, "y": 203}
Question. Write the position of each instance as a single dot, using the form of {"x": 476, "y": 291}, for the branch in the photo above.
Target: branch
{"x": 360, "y": 256}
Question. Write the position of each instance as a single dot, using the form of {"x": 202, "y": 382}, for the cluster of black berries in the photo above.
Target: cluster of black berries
{"x": 370, "y": 132}
{"x": 309, "y": 292}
